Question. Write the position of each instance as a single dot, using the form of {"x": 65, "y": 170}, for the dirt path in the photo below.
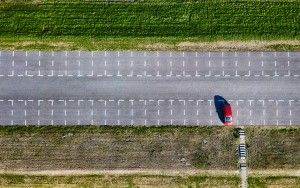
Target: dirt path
{"x": 168, "y": 172}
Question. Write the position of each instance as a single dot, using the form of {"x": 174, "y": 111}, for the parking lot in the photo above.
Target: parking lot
{"x": 148, "y": 88}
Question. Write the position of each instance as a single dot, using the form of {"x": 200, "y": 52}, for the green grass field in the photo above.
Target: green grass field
{"x": 126, "y": 24}
{"x": 208, "y": 19}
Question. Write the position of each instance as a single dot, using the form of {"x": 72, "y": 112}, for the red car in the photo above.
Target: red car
{"x": 227, "y": 114}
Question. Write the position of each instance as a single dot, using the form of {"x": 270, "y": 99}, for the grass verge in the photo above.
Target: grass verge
{"x": 274, "y": 181}
{"x": 10, "y": 180}
{"x": 137, "y": 180}
{"x": 59, "y": 43}
{"x": 150, "y": 25}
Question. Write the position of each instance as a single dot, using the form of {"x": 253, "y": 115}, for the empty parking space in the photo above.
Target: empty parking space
{"x": 149, "y": 64}
{"x": 146, "y": 112}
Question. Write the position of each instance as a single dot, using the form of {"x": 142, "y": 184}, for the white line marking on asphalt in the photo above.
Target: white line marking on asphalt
{"x": 209, "y": 74}
{"x": 249, "y": 74}
{"x": 236, "y": 74}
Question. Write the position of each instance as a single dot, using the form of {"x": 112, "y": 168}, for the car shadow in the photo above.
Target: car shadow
{"x": 219, "y": 105}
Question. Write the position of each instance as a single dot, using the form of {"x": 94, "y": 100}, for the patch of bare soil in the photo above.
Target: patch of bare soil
{"x": 22, "y": 1}
{"x": 252, "y": 45}
{"x": 158, "y": 46}
{"x": 52, "y": 44}
{"x": 36, "y": 45}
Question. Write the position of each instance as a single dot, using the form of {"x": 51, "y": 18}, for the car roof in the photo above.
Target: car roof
{"x": 227, "y": 110}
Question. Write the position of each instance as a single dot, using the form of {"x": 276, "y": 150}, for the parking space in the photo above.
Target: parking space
{"x": 6, "y": 112}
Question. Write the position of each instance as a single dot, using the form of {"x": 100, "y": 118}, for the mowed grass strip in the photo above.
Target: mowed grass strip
{"x": 138, "y": 180}
{"x": 88, "y": 43}
{"x": 208, "y": 19}
{"x": 274, "y": 181}
{"x": 10, "y": 180}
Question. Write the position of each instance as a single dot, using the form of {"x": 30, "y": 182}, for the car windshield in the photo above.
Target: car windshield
{"x": 228, "y": 119}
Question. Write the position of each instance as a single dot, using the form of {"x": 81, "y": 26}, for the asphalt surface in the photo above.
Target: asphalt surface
{"x": 148, "y": 88}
